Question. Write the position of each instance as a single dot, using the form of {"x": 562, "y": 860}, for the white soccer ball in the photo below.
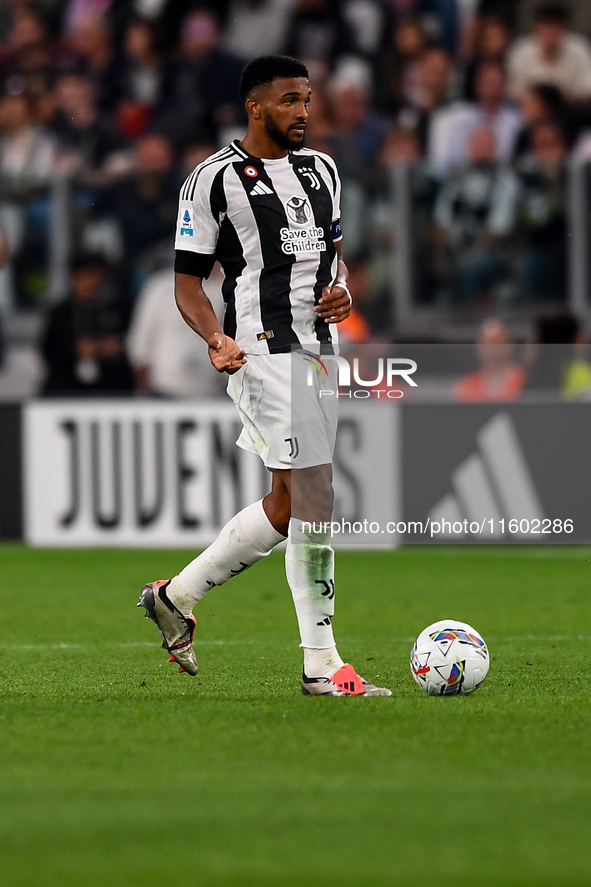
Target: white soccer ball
{"x": 449, "y": 658}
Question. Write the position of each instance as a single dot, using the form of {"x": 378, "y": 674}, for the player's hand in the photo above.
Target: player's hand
{"x": 334, "y": 305}
{"x": 225, "y": 354}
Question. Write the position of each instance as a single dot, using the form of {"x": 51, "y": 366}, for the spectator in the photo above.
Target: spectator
{"x": 552, "y": 54}
{"x": 5, "y": 23}
{"x": 494, "y": 37}
{"x": 318, "y": 33}
{"x": 491, "y": 43}
{"x": 257, "y": 27}
{"x": 439, "y": 19}
{"x": 164, "y": 16}
{"x": 398, "y": 67}
{"x": 371, "y": 314}
{"x": 355, "y": 143}
{"x": 499, "y": 378}
{"x": 400, "y": 146}
{"x": 139, "y": 79}
{"x": 79, "y": 13}
{"x": 26, "y": 151}
{"x": 4, "y": 289}
{"x": 83, "y": 341}
{"x": 355, "y": 329}
{"x": 576, "y": 375}
{"x": 542, "y": 103}
{"x": 475, "y": 214}
{"x": 144, "y": 203}
{"x": 542, "y": 215}
{"x": 91, "y": 48}
{"x": 29, "y": 63}
{"x": 89, "y": 144}
{"x": 12, "y": 228}
{"x": 168, "y": 358}
{"x": 368, "y": 21}
{"x": 433, "y": 91}
{"x": 200, "y": 93}
{"x": 451, "y": 127}
{"x": 557, "y": 359}
{"x": 357, "y": 130}
{"x": 26, "y": 163}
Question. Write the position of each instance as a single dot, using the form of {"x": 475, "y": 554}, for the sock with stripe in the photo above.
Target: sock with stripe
{"x": 309, "y": 565}
{"x": 244, "y": 541}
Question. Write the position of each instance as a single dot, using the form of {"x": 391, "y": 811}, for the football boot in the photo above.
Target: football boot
{"x": 175, "y": 629}
{"x": 345, "y": 682}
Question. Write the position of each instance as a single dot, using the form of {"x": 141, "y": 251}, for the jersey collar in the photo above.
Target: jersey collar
{"x": 266, "y": 160}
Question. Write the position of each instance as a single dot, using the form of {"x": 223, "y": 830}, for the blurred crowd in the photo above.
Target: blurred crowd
{"x": 557, "y": 361}
{"x": 485, "y": 100}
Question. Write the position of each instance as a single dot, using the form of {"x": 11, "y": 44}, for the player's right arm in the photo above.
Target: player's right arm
{"x": 197, "y": 311}
{"x": 195, "y": 245}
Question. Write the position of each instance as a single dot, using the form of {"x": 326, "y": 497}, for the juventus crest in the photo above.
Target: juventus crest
{"x": 309, "y": 173}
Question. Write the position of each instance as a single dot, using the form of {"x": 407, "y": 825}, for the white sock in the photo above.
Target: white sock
{"x": 321, "y": 663}
{"x": 309, "y": 564}
{"x": 245, "y": 539}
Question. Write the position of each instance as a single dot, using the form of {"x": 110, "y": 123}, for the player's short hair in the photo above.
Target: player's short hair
{"x": 267, "y": 68}
{"x": 552, "y": 12}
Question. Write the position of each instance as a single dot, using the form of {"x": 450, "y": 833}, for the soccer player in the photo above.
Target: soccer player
{"x": 267, "y": 209}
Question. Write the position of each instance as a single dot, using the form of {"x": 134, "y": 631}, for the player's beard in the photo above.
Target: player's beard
{"x": 282, "y": 139}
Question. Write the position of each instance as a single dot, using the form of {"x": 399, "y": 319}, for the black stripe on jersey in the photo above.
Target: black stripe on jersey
{"x": 217, "y": 196}
{"x": 239, "y": 150}
{"x": 190, "y": 181}
{"x": 231, "y": 258}
{"x": 326, "y": 165}
{"x": 275, "y": 276}
{"x": 228, "y": 251}
{"x": 187, "y": 184}
{"x": 225, "y": 156}
{"x": 322, "y": 205}
{"x": 229, "y": 294}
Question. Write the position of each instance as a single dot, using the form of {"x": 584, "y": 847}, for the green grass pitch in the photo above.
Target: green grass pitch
{"x": 117, "y": 770}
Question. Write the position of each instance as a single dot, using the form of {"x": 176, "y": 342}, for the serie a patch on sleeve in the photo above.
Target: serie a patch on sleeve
{"x": 187, "y": 228}
{"x": 336, "y": 230}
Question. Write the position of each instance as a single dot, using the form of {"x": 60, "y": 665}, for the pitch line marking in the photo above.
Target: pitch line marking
{"x": 77, "y": 646}
{"x": 531, "y": 638}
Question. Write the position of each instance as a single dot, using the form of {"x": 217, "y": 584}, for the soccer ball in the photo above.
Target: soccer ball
{"x": 449, "y": 658}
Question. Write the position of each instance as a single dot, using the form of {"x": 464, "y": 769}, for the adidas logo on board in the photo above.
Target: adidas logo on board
{"x": 493, "y": 483}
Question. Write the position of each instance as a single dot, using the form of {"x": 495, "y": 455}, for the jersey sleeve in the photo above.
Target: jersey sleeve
{"x": 197, "y": 230}
{"x": 326, "y": 165}
{"x": 336, "y": 229}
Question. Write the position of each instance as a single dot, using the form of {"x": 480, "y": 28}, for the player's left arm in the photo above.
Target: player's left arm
{"x": 335, "y": 303}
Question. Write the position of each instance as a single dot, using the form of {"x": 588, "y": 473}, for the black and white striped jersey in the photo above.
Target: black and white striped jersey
{"x": 272, "y": 225}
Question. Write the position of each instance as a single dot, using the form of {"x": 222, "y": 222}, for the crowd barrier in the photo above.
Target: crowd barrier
{"x": 154, "y": 473}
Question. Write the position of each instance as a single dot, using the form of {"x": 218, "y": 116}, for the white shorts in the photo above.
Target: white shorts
{"x": 285, "y": 419}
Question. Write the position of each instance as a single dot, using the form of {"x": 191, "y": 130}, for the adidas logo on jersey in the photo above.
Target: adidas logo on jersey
{"x": 260, "y": 188}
